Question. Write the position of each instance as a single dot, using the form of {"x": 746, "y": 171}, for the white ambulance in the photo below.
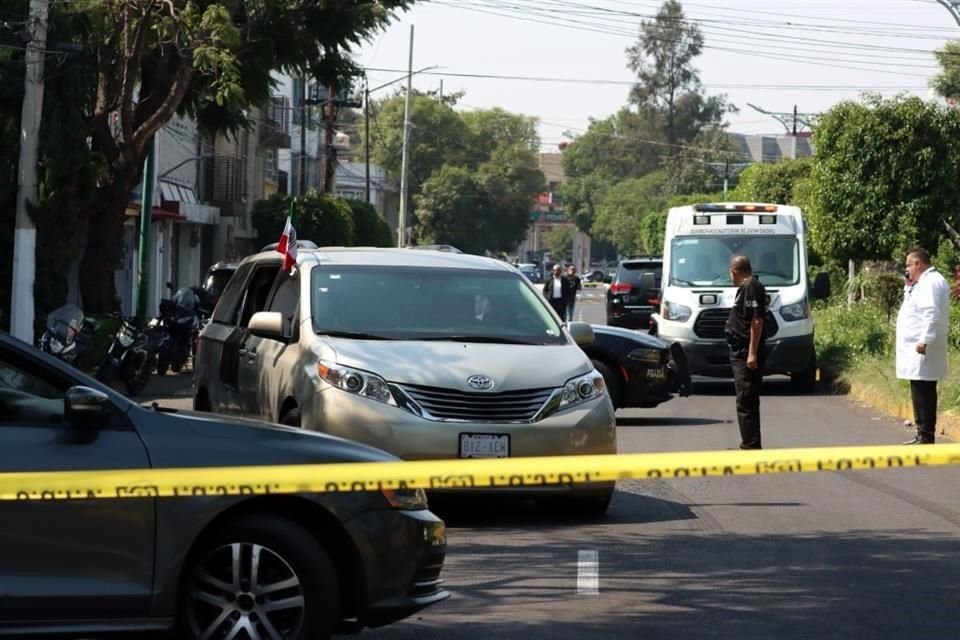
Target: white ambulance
{"x": 697, "y": 293}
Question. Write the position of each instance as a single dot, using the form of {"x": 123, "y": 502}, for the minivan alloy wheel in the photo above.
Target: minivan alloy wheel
{"x": 245, "y": 591}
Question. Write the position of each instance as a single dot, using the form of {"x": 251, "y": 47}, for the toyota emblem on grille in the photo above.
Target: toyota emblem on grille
{"x": 483, "y": 383}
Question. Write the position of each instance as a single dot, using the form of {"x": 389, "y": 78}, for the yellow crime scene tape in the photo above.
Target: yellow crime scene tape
{"x": 458, "y": 474}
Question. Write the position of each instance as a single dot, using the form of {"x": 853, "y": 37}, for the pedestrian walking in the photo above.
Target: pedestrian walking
{"x": 576, "y": 286}
{"x": 922, "y": 326}
{"x": 745, "y": 336}
{"x": 557, "y": 291}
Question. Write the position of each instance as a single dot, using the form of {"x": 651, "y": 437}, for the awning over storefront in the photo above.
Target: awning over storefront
{"x": 182, "y": 200}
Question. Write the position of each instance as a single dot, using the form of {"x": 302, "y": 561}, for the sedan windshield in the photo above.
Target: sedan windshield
{"x": 705, "y": 261}
{"x": 404, "y": 303}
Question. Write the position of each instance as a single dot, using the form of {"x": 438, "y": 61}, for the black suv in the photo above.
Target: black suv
{"x": 634, "y": 293}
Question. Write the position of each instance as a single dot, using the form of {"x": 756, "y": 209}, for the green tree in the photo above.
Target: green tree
{"x": 884, "y": 177}
{"x": 773, "y": 182}
{"x": 450, "y": 210}
{"x": 620, "y": 215}
{"x": 560, "y": 240}
{"x": 947, "y": 82}
{"x": 510, "y": 181}
{"x": 438, "y": 136}
{"x": 668, "y": 83}
{"x": 321, "y": 218}
{"x": 145, "y": 60}
{"x": 370, "y": 228}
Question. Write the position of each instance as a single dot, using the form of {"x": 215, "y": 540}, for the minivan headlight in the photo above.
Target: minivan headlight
{"x": 795, "y": 311}
{"x": 676, "y": 312}
{"x": 582, "y": 389}
{"x": 356, "y": 381}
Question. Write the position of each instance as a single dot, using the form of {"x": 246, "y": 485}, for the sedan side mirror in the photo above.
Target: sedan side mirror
{"x": 85, "y": 407}
{"x": 821, "y": 286}
{"x": 581, "y": 332}
{"x": 267, "y": 324}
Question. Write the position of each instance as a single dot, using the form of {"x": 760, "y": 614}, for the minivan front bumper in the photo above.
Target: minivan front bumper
{"x": 585, "y": 429}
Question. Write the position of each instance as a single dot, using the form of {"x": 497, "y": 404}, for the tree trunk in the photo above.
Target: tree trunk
{"x": 104, "y": 248}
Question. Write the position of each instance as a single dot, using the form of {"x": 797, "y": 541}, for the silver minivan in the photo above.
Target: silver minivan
{"x": 425, "y": 354}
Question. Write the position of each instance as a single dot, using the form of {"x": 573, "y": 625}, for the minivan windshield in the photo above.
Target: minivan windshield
{"x": 412, "y": 303}
{"x": 697, "y": 261}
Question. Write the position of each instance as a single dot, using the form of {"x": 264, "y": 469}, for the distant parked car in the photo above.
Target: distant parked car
{"x": 640, "y": 370}
{"x": 531, "y": 271}
{"x": 634, "y": 293}
{"x": 594, "y": 276}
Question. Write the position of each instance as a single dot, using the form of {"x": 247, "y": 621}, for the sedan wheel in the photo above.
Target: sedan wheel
{"x": 265, "y": 579}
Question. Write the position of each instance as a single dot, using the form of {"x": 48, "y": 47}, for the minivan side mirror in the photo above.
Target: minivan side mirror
{"x": 86, "y": 407}
{"x": 581, "y": 332}
{"x": 821, "y": 286}
{"x": 267, "y": 324}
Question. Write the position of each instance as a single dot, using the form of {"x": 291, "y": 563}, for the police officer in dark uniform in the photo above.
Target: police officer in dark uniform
{"x": 745, "y": 335}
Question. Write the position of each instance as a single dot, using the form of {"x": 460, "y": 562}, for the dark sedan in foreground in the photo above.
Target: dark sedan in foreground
{"x": 277, "y": 567}
{"x": 639, "y": 370}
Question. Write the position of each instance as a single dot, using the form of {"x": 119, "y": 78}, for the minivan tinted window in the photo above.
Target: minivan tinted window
{"x": 413, "y": 303}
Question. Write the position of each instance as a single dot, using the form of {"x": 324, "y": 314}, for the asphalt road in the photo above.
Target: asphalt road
{"x": 829, "y": 555}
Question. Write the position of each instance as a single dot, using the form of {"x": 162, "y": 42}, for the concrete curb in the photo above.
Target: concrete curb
{"x": 948, "y": 422}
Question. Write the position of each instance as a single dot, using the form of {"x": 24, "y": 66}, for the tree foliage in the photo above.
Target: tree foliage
{"x": 620, "y": 215}
{"x": 560, "y": 239}
{"x": 668, "y": 84}
{"x": 884, "y": 177}
{"x": 144, "y": 60}
{"x": 773, "y": 182}
{"x": 320, "y": 217}
{"x": 370, "y": 228}
{"x": 490, "y": 152}
{"x": 947, "y": 82}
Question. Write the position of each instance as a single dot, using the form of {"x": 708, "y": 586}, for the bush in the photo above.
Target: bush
{"x": 324, "y": 219}
{"x": 846, "y": 335}
{"x": 370, "y": 229}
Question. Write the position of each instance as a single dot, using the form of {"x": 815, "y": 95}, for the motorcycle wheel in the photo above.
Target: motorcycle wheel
{"x": 138, "y": 378}
{"x": 163, "y": 363}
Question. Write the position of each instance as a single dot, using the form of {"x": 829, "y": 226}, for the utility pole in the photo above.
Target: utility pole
{"x": 146, "y": 218}
{"x": 25, "y": 232}
{"x": 330, "y": 157}
{"x": 302, "y": 186}
{"x": 366, "y": 137}
{"x": 405, "y": 160}
{"x": 953, "y": 6}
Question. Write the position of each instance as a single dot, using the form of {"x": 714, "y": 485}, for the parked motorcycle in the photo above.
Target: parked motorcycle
{"x": 68, "y": 333}
{"x": 180, "y": 317}
{"x": 132, "y": 355}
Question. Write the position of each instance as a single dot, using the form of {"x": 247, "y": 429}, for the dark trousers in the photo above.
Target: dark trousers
{"x": 747, "y": 383}
{"x": 924, "y": 396}
{"x": 560, "y": 306}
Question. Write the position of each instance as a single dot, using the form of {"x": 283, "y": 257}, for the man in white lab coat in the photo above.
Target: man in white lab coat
{"x": 922, "y": 325}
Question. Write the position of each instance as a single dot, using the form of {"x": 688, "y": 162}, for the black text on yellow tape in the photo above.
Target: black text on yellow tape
{"x": 457, "y": 474}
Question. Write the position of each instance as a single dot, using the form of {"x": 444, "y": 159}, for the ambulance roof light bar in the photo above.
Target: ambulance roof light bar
{"x": 726, "y": 208}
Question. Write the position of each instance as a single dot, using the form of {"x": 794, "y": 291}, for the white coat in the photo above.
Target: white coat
{"x": 924, "y": 318}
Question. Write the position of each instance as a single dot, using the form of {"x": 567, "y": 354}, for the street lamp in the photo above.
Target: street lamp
{"x": 953, "y": 6}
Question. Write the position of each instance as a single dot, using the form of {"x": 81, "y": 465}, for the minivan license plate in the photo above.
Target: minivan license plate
{"x": 484, "y": 445}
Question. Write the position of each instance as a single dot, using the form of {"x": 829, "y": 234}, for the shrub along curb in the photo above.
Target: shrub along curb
{"x": 948, "y": 422}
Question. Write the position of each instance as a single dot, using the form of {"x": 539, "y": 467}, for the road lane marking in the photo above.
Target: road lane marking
{"x": 588, "y": 572}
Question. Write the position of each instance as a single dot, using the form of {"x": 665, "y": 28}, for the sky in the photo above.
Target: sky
{"x": 773, "y": 54}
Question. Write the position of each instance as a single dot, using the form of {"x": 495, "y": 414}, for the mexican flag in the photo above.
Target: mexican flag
{"x": 288, "y": 240}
